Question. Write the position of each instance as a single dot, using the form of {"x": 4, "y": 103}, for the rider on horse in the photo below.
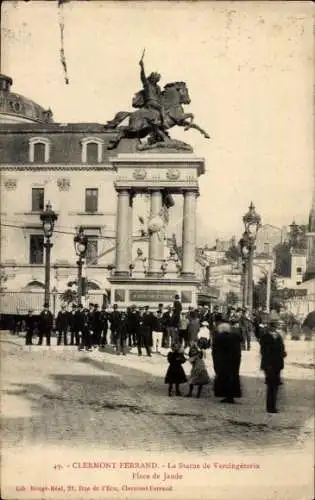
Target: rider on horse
{"x": 152, "y": 94}
{"x": 157, "y": 112}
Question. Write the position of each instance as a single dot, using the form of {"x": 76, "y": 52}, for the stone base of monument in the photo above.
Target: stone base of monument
{"x": 158, "y": 176}
{"x": 153, "y": 291}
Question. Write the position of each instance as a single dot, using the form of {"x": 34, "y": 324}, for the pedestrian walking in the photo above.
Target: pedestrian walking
{"x": 205, "y": 314}
{"x": 199, "y": 375}
{"x": 273, "y": 352}
{"x": 86, "y": 331}
{"x": 144, "y": 335}
{"x": 226, "y": 354}
{"x": 91, "y": 312}
{"x": 175, "y": 374}
{"x": 167, "y": 327}
{"x": 157, "y": 333}
{"x": 204, "y": 338}
{"x": 114, "y": 323}
{"x": 79, "y": 323}
{"x": 193, "y": 327}
{"x": 73, "y": 326}
{"x": 30, "y": 323}
{"x": 104, "y": 319}
{"x": 96, "y": 326}
{"x": 245, "y": 328}
{"x": 62, "y": 324}
{"x": 121, "y": 334}
{"x": 183, "y": 333}
{"x": 177, "y": 310}
{"x": 133, "y": 321}
{"x": 45, "y": 324}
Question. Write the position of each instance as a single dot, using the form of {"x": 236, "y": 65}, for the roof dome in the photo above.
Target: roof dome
{"x": 15, "y": 108}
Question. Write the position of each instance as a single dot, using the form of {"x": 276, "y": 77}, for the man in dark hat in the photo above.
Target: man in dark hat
{"x": 144, "y": 337}
{"x": 114, "y": 323}
{"x": 272, "y": 352}
{"x": 45, "y": 325}
{"x": 158, "y": 327}
{"x": 62, "y": 324}
{"x": 30, "y": 326}
{"x": 133, "y": 320}
{"x": 177, "y": 308}
{"x": 91, "y": 312}
{"x": 96, "y": 326}
{"x": 72, "y": 325}
{"x": 245, "y": 328}
{"x": 104, "y": 317}
{"x": 78, "y": 324}
{"x": 85, "y": 331}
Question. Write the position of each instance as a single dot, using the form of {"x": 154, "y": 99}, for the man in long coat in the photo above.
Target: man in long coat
{"x": 30, "y": 323}
{"x": 226, "y": 354}
{"x": 45, "y": 325}
{"x": 62, "y": 324}
{"x": 145, "y": 331}
{"x": 272, "y": 360}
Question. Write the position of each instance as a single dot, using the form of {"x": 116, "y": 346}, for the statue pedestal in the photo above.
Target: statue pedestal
{"x": 158, "y": 175}
{"x": 152, "y": 292}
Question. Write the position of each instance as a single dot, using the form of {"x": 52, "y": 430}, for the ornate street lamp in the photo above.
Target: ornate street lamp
{"x": 243, "y": 244}
{"x": 252, "y": 223}
{"x": 48, "y": 218}
{"x": 80, "y": 244}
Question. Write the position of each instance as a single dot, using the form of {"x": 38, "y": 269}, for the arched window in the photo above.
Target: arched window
{"x": 92, "y": 286}
{"x": 39, "y": 150}
{"x": 92, "y": 150}
{"x": 34, "y": 285}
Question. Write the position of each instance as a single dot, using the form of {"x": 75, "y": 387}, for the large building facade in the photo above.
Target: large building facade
{"x": 66, "y": 165}
{"x": 70, "y": 166}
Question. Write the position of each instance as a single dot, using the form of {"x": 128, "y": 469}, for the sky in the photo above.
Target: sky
{"x": 248, "y": 67}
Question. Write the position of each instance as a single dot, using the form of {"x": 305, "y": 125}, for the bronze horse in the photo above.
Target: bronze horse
{"x": 147, "y": 122}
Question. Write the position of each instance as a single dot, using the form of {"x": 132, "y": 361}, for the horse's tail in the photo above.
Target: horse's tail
{"x": 119, "y": 117}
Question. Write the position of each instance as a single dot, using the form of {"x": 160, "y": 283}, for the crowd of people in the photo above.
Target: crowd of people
{"x": 230, "y": 335}
{"x": 189, "y": 334}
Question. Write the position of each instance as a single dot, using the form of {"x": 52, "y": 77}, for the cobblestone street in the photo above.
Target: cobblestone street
{"x": 61, "y": 398}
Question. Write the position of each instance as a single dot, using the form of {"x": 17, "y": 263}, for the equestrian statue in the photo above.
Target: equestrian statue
{"x": 156, "y": 112}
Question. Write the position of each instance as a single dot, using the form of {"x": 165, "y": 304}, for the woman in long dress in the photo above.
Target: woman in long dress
{"x": 199, "y": 375}
{"x": 226, "y": 354}
{"x": 175, "y": 373}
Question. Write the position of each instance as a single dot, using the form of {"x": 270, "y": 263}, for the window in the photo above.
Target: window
{"x": 37, "y": 199}
{"x": 91, "y": 199}
{"x": 299, "y": 270}
{"x": 92, "y": 251}
{"x": 36, "y": 249}
{"x": 298, "y": 282}
{"x": 39, "y": 150}
{"x": 92, "y": 150}
{"x": 267, "y": 248}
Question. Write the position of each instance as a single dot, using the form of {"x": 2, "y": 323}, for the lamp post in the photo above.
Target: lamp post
{"x": 48, "y": 218}
{"x": 252, "y": 223}
{"x": 243, "y": 243}
{"x": 54, "y": 294}
{"x": 80, "y": 244}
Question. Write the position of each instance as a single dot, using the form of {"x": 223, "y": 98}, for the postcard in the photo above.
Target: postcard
{"x": 157, "y": 290}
